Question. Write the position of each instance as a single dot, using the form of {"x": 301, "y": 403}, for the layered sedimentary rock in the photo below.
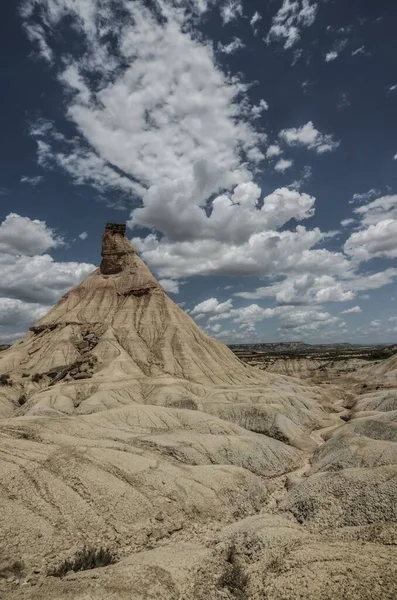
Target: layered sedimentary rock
{"x": 128, "y": 433}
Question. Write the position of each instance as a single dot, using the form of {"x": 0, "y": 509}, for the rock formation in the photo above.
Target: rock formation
{"x": 141, "y": 459}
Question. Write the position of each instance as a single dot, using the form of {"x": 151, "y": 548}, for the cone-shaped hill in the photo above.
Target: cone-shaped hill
{"x": 127, "y": 436}
{"x": 118, "y": 337}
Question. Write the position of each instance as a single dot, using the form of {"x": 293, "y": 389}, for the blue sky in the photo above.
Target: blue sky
{"x": 250, "y": 146}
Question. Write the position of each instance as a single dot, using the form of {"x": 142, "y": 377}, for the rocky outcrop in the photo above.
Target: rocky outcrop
{"x": 114, "y": 248}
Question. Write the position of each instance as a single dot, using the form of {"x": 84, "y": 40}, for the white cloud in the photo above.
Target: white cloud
{"x": 31, "y": 281}
{"x": 212, "y": 307}
{"x": 305, "y": 176}
{"x": 168, "y": 125}
{"x": 291, "y": 18}
{"x": 31, "y": 180}
{"x": 16, "y": 312}
{"x": 375, "y": 324}
{"x": 232, "y": 47}
{"x": 282, "y": 165}
{"x": 310, "y": 137}
{"x": 331, "y": 56}
{"x": 36, "y": 34}
{"x": 170, "y": 116}
{"x": 256, "y": 111}
{"x": 162, "y": 122}
{"x": 170, "y": 285}
{"x": 379, "y": 240}
{"x": 266, "y": 253}
{"x": 10, "y": 338}
{"x": 306, "y": 320}
{"x": 215, "y": 328}
{"x": 309, "y": 288}
{"x": 378, "y": 210}
{"x": 273, "y": 150}
{"x": 392, "y": 319}
{"x": 303, "y": 289}
{"x": 21, "y": 235}
{"x": 347, "y": 222}
{"x": 354, "y": 309}
{"x": 83, "y": 235}
{"x": 231, "y": 10}
{"x": 395, "y": 157}
{"x": 393, "y": 88}
{"x": 256, "y": 17}
{"x": 39, "y": 279}
{"x": 364, "y": 197}
{"x": 378, "y": 234}
{"x": 360, "y": 50}
{"x": 338, "y": 47}
{"x": 234, "y": 219}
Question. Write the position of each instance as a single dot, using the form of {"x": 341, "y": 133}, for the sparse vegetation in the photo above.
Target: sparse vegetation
{"x": 84, "y": 560}
{"x": 22, "y": 400}
{"x": 234, "y": 579}
{"x": 15, "y": 568}
{"x": 37, "y": 377}
{"x": 5, "y": 380}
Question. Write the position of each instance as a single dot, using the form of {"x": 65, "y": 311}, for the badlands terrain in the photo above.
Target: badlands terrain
{"x": 141, "y": 459}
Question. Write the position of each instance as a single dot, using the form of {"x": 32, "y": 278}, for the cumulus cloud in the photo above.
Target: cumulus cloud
{"x": 83, "y": 235}
{"x": 331, "y": 56}
{"x": 256, "y": 17}
{"x": 378, "y": 240}
{"x": 212, "y": 307}
{"x": 375, "y": 324}
{"x": 14, "y": 311}
{"x": 347, "y": 222}
{"x": 170, "y": 285}
{"x": 283, "y": 164}
{"x": 306, "y": 320}
{"x": 378, "y": 230}
{"x": 244, "y": 318}
{"x": 159, "y": 122}
{"x": 336, "y": 50}
{"x": 365, "y": 196}
{"x": 10, "y": 338}
{"x": 164, "y": 123}
{"x": 289, "y": 21}
{"x": 303, "y": 289}
{"x": 170, "y": 115}
{"x": 309, "y": 288}
{"x": 232, "y": 47}
{"x": 31, "y": 280}
{"x": 256, "y": 111}
{"x": 39, "y": 279}
{"x": 273, "y": 151}
{"x": 231, "y": 10}
{"x": 21, "y": 235}
{"x": 354, "y": 309}
{"x": 310, "y": 137}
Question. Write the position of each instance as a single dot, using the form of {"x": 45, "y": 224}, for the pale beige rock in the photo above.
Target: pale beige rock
{"x": 142, "y": 435}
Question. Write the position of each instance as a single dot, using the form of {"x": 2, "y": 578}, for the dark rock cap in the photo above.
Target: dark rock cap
{"x": 115, "y": 246}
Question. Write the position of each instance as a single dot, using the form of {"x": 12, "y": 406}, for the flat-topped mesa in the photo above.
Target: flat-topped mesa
{"x": 114, "y": 248}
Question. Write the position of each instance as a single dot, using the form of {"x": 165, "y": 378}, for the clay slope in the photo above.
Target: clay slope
{"x": 137, "y": 448}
